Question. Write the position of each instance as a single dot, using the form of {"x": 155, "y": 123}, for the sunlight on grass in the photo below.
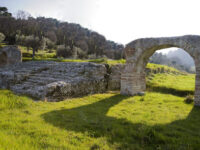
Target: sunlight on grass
{"x": 180, "y": 85}
{"x": 159, "y": 120}
{"x": 101, "y": 60}
{"x": 151, "y": 109}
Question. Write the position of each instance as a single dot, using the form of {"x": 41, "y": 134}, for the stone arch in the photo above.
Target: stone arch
{"x": 137, "y": 55}
{"x": 3, "y": 59}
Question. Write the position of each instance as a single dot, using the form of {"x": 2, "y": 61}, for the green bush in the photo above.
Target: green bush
{"x": 64, "y": 51}
{"x": 81, "y": 54}
{"x": 189, "y": 99}
{"x": 2, "y": 37}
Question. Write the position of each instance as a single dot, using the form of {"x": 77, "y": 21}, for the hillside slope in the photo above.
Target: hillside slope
{"x": 53, "y": 33}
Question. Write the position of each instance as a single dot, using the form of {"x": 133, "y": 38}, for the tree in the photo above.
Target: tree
{"x": 34, "y": 42}
{"x": 51, "y": 35}
{"x": 50, "y": 45}
{"x": 43, "y": 43}
{"x": 4, "y": 12}
{"x": 22, "y": 15}
{"x": 59, "y": 33}
{"x": 8, "y": 26}
{"x": 22, "y": 40}
{"x": 64, "y": 51}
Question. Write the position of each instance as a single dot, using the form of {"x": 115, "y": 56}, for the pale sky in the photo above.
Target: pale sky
{"x": 119, "y": 20}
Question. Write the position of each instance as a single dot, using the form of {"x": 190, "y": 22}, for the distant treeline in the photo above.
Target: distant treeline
{"x": 40, "y": 33}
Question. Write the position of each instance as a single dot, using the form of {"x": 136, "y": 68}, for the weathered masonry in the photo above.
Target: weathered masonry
{"x": 137, "y": 55}
{"x": 10, "y": 55}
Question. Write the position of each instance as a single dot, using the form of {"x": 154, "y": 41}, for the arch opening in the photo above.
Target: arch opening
{"x": 174, "y": 57}
{"x": 178, "y": 58}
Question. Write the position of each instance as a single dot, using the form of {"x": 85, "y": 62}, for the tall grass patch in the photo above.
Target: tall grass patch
{"x": 8, "y": 100}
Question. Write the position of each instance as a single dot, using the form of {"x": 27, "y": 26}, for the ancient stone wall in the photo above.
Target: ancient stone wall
{"x": 10, "y": 55}
{"x": 54, "y": 81}
{"x": 115, "y": 72}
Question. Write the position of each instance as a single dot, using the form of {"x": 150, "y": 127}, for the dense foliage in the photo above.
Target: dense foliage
{"x": 40, "y": 32}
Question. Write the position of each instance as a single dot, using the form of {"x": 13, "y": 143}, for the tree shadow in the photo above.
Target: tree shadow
{"x": 166, "y": 90}
{"x": 92, "y": 119}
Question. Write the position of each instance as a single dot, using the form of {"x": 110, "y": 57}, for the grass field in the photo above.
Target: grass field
{"x": 159, "y": 120}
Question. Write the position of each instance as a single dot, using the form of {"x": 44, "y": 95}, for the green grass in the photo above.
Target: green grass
{"x": 163, "y": 68}
{"x": 10, "y": 101}
{"x": 2, "y": 45}
{"x": 180, "y": 85}
{"x": 159, "y": 120}
{"x": 100, "y": 60}
{"x": 40, "y": 54}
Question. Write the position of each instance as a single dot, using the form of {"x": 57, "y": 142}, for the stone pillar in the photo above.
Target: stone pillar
{"x": 132, "y": 83}
{"x": 197, "y": 87}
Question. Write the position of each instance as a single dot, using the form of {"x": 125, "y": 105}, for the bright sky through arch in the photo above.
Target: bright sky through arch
{"x": 120, "y": 20}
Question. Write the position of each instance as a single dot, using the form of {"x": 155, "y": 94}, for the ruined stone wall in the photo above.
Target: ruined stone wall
{"x": 54, "y": 81}
{"x": 10, "y": 55}
{"x": 114, "y": 80}
{"x": 137, "y": 56}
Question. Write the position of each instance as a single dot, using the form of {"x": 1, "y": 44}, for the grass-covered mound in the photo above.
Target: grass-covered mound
{"x": 159, "y": 120}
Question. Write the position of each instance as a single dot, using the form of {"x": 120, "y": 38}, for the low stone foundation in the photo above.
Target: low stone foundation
{"x": 10, "y": 55}
{"x": 54, "y": 81}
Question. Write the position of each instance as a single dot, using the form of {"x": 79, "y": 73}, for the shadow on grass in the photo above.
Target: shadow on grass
{"x": 166, "y": 90}
{"x": 92, "y": 119}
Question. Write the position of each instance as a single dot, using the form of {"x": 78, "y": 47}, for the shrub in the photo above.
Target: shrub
{"x": 67, "y": 52}
{"x": 2, "y": 37}
{"x": 81, "y": 54}
{"x": 50, "y": 44}
{"x": 189, "y": 99}
{"x": 64, "y": 51}
{"x": 142, "y": 99}
{"x": 92, "y": 56}
{"x": 21, "y": 40}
